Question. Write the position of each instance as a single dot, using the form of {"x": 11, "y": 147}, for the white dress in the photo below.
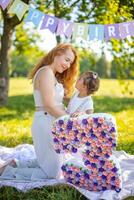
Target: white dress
{"x": 42, "y": 162}
{"x": 79, "y": 104}
{"x": 47, "y": 158}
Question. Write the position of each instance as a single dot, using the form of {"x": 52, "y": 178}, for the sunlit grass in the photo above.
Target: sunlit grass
{"x": 110, "y": 87}
{"x": 114, "y": 88}
{"x": 16, "y": 119}
{"x": 20, "y": 86}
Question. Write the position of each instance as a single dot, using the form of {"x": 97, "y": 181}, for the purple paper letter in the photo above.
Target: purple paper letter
{"x": 4, "y": 3}
{"x": 65, "y": 28}
{"x": 126, "y": 29}
{"x": 49, "y": 22}
{"x": 111, "y": 31}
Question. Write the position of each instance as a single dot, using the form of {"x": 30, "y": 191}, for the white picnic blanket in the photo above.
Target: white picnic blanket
{"x": 26, "y": 156}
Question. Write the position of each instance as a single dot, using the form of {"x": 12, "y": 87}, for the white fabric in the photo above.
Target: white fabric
{"x": 80, "y": 103}
{"x": 24, "y": 152}
{"x": 58, "y": 95}
{"x": 47, "y": 158}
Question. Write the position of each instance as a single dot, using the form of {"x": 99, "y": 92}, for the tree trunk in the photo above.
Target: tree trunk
{"x": 4, "y": 62}
{"x": 10, "y": 22}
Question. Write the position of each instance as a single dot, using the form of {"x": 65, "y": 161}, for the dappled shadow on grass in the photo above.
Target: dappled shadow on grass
{"x": 18, "y": 106}
{"x": 112, "y": 104}
{"x": 128, "y": 147}
{"x": 60, "y": 192}
{"x": 21, "y": 103}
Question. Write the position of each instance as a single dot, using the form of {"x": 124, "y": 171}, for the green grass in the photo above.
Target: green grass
{"x": 16, "y": 119}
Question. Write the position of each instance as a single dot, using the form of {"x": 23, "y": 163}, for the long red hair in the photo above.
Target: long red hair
{"x": 69, "y": 76}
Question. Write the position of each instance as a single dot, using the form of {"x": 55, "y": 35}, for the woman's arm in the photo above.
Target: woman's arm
{"x": 47, "y": 89}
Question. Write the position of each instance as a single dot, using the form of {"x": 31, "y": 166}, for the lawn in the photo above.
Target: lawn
{"x": 16, "y": 119}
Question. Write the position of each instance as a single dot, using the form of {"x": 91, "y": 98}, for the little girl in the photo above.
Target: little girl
{"x": 81, "y": 102}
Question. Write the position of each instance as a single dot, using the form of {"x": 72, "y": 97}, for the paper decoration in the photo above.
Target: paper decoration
{"x": 64, "y": 28}
{"x": 126, "y": 29}
{"x": 80, "y": 30}
{"x": 19, "y": 8}
{"x": 49, "y": 22}
{"x": 4, "y": 3}
{"x": 89, "y": 139}
{"x": 96, "y": 31}
{"x": 111, "y": 31}
{"x": 34, "y": 16}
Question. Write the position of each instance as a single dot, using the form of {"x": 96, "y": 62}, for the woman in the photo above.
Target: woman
{"x": 58, "y": 70}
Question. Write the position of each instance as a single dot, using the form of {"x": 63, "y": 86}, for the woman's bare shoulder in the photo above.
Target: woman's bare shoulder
{"x": 47, "y": 74}
{"x": 47, "y": 70}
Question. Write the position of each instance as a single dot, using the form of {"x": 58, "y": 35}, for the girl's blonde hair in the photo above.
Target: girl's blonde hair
{"x": 69, "y": 76}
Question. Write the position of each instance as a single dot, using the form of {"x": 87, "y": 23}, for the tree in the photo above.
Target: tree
{"x": 9, "y": 24}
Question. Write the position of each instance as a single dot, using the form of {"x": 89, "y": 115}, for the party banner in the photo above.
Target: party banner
{"x": 34, "y": 16}
{"x": 50, "y": 23}
{"x": 96, "y": 31}
{"x": 19, "y": 8}
{"x": 67, "y": 28}
{"x": 80, "y": 30}
{"x": 4, "y": 3}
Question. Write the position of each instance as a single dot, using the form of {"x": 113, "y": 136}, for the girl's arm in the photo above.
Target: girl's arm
{"x": 89, "y": 109}
{"x": 76, "y": 114}
{"x": 47, "y": 89}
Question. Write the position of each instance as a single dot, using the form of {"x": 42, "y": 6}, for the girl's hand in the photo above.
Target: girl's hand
{"x": 76, "y": 114}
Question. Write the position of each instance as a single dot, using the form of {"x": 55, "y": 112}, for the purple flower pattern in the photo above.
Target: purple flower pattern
{"x": 97, "y": 136}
